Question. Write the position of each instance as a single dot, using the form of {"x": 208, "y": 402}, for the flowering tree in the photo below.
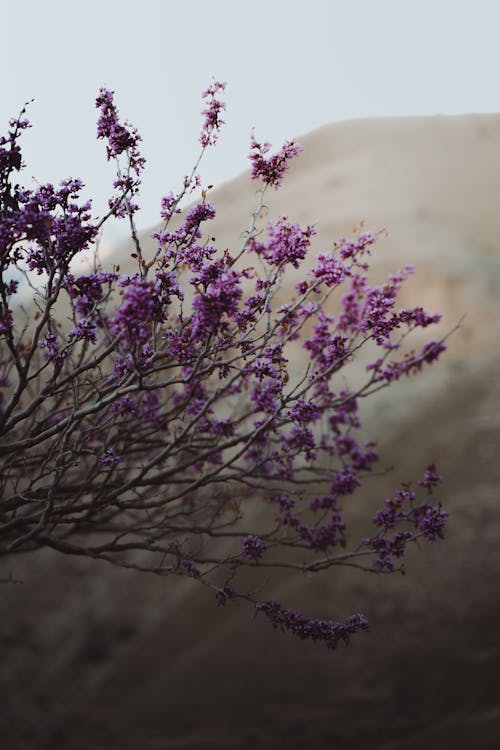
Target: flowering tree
{"x": 158, "y": 424}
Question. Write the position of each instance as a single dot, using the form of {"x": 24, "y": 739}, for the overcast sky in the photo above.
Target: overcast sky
{"x": 290, "y": 66}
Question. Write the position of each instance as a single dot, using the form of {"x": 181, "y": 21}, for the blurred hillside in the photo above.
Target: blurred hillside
{"x": 94, "y": 657}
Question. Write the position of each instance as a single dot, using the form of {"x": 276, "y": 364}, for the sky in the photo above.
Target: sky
{"x": 290, "y": 67}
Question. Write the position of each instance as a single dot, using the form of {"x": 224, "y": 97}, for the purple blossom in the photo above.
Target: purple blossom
{"x": 432, "y": 477}
{"x": 317, "y": 536}
{"x": 55, "y": 224}
{"x": 377, "y": 315}
{"x": 361, "y": 459}
{"x": 329, "y": 270}
{"x": 326, "y": 347}
{"x": 181, "y": 245}
{"x": 261, "y": 368}
{"x": 430, "y": 353}
{"x": 271, "y": 169}
{"x": 166, "y": 286}
{"x": 86, "y": 330}
{"x": 350, "y": 316}
{"x": 222, "y": 427}
{"x": 327, "y": 535}
{"x": 330, "y": 632}
{"x": 223, "y": 595}
{"x": 389, "y": 547}
{"x": 169, "y": 206}
{"x": 188, "y": 373}
{"x": 6, "y": 319}
{"x": 151, "y": 406}
{"x": 265, "y": 394}
{"x": 110, "y": 458}
{"x": 53, "y": 352}
{"x": 87, "y": 291}
{"x": 418, "y": 317}
{"x": 286, "y": 503}
{"x": 181, "y": 343}
{"x": 139, "y": 308}
{"x": 409, "y": 365}
{"x": 396, "y": 509}
{"x": 195, "y": 216}
{"x": 345, "y": 413}
{"x": 194, "y": 397}
{"x": 430, "y": 520}
{"x": 212, "y": 114}
{"x": 344, "y": 481}
{"x": 217, "y": 301}
{"x": 304, "y": 412}
{"x": 288, "y": 243}
{"x": 357, "y": 247}
{"x": 190, "y": 569}
{"x": 300, "y": 440}
{"x": 293, "y": 315}
{"x": 253, "y": 546}
{"x": 125, "y": 406}
{"x": 323, "y": 502}
{"x": 10, "y": 158}
{"x": 120, "y": 137}
{"x": 10, "y": 287}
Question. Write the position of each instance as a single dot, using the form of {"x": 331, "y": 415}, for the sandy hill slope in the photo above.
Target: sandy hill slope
{"x": 98, "y": 658}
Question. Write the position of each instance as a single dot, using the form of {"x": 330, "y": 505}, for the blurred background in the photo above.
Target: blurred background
{"x": 394, "y": 103}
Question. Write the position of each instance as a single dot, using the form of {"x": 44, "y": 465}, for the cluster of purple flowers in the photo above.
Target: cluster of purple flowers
{"x": 183, "y": 367}
{"x": 53, "y": 351}
{"x": 86, "y": 330}
{"x": 428, "y": 521}
{"x": 253, "y": 546}
{"x": 388, "y": 548}
{"x": 396, "y": 509}
{"x": 330, "y": 632}
{"x": 110, "y": 458}
{"x": 88, "y": 291}
{"x": 319, "y": 535}
{"x": 271, "y": 169}
{"x": 54, "y": 224}
{"x": 135, "y": 315}
{"x": 121, "y": 138}
{"x": 288, "y": 243}
{"x": 224, "y": 595}
{"x": 10, "y": 151}
{"x": 411, "y": 363}
{"x": 329, "y": 270}
{"x": 432, "y": 477}
{"x": 6, "y": 319}
{"x": 189, "y": 568}
{"x": 212, "y": 114}
{"x": 217, "y": 300}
